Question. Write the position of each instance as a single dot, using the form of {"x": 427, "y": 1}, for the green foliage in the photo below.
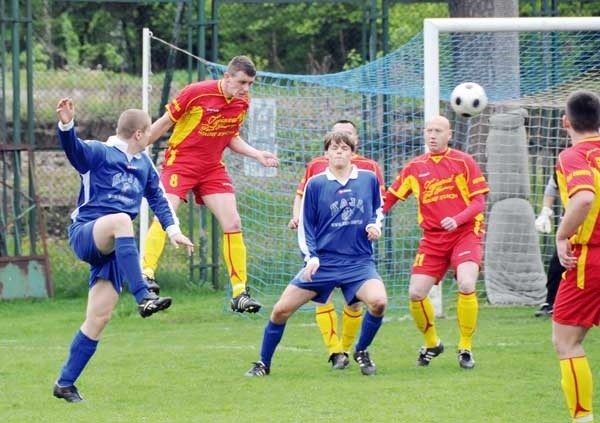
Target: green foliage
{"x": 406, "y": 20}
{"x": 39, "y": 57}
{"x": 565, "y": 8}
{"x": 187, "y": 364}
{"x": 104, "y": 55}
{"x": 353, "y": 60}
{"x": 70, "y": 41}
{"x": 303, "y": 37}
{"x": 319, "y": 40}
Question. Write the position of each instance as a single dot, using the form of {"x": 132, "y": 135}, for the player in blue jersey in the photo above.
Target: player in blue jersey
{"x": 340, "y": 217}
{"x": 114, "y": 177}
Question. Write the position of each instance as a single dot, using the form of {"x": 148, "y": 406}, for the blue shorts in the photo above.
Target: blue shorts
{"x": 347, "y": 275}
{"x": 81, "y": 239}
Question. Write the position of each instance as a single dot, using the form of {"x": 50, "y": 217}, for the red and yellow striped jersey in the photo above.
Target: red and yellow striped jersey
{"x": 205, "y": 122}
{"x": 443, "y": 184}
{"x": 577, "y": 169}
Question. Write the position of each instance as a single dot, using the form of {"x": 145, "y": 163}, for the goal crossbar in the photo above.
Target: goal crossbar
{"x": 433, "y": 27}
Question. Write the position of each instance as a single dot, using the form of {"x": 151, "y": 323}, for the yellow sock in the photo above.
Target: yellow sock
{"x": 153, "y": 248}
{"x": 467, "y": 309}
{"x": 327, "y": 321}
{"x": 424, "y": 316}
{"x": 351, "y": 321}
{"x": 576, "y": 382}
{"x": 234, "y": 252}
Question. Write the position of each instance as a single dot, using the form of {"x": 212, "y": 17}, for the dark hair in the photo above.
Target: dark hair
{"x": 241, "y": 64}
{"x": 583, "y": 111}
{"x": 345, "y": 121}
{"x": 338, "y": 137}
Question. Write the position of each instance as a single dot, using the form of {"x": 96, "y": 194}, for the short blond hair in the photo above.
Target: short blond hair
{"x": 132, "y": 120}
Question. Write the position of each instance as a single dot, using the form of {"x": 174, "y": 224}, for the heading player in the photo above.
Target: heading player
{"x": 207, "y": 116}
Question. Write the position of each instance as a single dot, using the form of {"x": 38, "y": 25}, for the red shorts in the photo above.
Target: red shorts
{"x": 580, "y": 305}
{"x": 438, "y": 251}
{"x": 179, "y": 181}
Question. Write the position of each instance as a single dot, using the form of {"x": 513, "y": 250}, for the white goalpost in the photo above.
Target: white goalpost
{"x": 432, "y": 28}
{"x": 144, "y": 214}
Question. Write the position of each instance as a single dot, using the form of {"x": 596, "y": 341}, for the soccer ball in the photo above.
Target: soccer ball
{"x": 468, "y": 99}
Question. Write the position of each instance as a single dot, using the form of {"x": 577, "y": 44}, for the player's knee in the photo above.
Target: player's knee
{"x": 416, "y": 293}
{"x": 95, "y": 324}
{"x": 377, "y": 306}
{"x": 562, "y": 348}
{"x": 280, "y": 314}
{"x": 466, "y": 286}
{"x": 232, "y": 225}
{"x": 121, "y": 220}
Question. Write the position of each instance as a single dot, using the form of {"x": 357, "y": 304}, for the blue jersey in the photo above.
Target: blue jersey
{"x": 114, "y": 181}
{"x": 335, "y": 217}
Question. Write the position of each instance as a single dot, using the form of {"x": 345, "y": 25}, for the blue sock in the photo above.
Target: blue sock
{"x": 82, "y": 349}
{"x": 129, "y": 264}
{"x": 368, "y": 330}
{"x": 271, "y": 338}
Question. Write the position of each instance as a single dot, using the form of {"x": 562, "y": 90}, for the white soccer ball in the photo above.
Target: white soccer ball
{"x": 468, "y": 99}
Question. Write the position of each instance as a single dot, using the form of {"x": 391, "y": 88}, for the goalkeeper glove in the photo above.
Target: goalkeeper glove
{"x": 542, "y": 223}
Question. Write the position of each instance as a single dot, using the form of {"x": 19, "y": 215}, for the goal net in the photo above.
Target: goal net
{"x": 527, "y": 75}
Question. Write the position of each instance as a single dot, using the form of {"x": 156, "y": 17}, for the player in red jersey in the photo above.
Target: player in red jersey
{"x": 577, "y": 304}
{"x": 327, "y": 319}
{"x": 450, "y": 191}
{"x": 207, "y": 116}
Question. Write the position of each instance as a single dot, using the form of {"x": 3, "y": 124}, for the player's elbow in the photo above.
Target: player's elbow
{"x": 583, "y": 199}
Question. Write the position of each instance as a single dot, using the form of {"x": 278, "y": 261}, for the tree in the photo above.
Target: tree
{"x": 293, "y": 38}
{"x": 505, "y": 68}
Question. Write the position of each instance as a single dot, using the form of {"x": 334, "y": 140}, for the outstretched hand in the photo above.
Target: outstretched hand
{"x": 180, "y": 239}
{"x": 65, "y": 110}
{"x": 268, "y": 159}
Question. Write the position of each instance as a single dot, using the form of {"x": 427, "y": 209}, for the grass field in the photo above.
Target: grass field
{"x": 187, "y": 365}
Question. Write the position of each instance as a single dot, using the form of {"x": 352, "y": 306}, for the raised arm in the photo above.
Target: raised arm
{"x": 65, "y": 110}
{"x": 81, "y": 155}
{"x": 265, "y": 158}
{"x": 160, "y": 127}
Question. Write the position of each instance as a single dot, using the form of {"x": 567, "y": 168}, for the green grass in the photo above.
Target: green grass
{"x": 188, "y": 363}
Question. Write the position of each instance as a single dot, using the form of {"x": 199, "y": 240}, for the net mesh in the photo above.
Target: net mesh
{"x": 526, "y": 73}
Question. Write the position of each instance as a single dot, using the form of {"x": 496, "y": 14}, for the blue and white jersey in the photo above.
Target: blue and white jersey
{"x": 334, "y": 216}
{"x": 114, "y": 181}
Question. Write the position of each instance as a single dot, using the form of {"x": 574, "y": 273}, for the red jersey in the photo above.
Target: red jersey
{"x": 319, "y": 164}
{"x": 205, "y": 122}
{"x": 577, "y": 169}
{"x": 443, "y": 184}
{"x": 578, "y": 298}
